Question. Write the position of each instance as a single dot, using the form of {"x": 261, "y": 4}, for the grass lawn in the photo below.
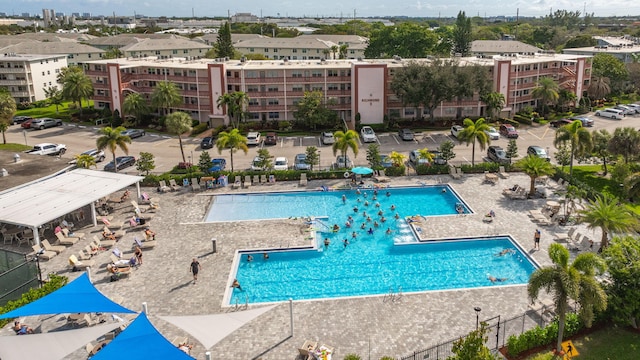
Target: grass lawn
{"x": 50, "y": 111}
{"x": 588, "y": 174}
{"x": 15, "y": 147}
{"x": 612, "y": 343}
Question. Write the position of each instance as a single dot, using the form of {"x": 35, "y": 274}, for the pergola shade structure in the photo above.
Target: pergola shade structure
{"x": 42, "y": 201}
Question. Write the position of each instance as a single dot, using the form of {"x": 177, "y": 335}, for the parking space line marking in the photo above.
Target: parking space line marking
{"x": 396, "y": 139}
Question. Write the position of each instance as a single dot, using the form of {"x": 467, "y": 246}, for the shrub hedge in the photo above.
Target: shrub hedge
{"x": 538, "y": 336}
{"x": 55, "y": 282}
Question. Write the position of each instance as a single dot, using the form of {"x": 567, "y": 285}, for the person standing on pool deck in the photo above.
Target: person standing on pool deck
{"x": 536, "y": 240}
{"x": 195, "y": 268}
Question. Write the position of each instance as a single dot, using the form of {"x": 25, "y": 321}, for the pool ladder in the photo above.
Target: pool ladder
{"x": 393, "y": 296}
{"x": 242, "y": 307}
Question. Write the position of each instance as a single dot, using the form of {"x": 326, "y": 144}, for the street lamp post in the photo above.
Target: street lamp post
{"x": 477, "y": 310}
{"x": 319, "y": 160}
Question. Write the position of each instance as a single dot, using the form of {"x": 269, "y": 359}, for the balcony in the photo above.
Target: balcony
{"x": 309, "y": 80}
{"x": 95, "y": 72}
{"x": 100, "y": 98}
{"x": 339, "y": 92}
{"x": 19, "y": 93}
{"x": 14, "y": 71}
{"x": 14, "y": 82}
{"x": 256, "y": 108}
{"x": 101, "y": 85}
{"x": 265, "y": 80}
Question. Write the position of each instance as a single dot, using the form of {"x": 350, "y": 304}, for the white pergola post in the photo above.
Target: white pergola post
{"x": 94, "y": 216}
{"x": 36, "y": 235}
{"x": 138, "y": 190}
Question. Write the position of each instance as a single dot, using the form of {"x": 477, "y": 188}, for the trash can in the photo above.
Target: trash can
{"x": 213, "y": 242}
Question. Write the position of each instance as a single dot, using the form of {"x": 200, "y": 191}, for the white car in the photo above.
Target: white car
{"x": 97, "y": 155}
{"x": 281, "y": 163}
{"x": 253, "y": 138}
{"x": 627, "y": 110}
{"x": 492, "y": 133}
{"x": 368, "y": 135}
{"x": 327, "y": 138}
{"x": 635, "y": 107}
{"x": 255, "y": 164}
{"x": 455, "y": 130}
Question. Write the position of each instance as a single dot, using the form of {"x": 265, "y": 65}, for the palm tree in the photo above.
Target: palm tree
{"x": 566, "y": 281}
{"x": 535, "y": 167}
{"x": 579, "y": 140}
{"x": 236, "y": 103}
{"x": 626, "y": 142}
{"x": 165, "y": 96}
{"x": 475, "y": 132}
{"x": 345, "y": 141}
{"x": 397, "y": 159}
{"x": 326, "y": 53}
{"x": 601, "y": 139}
{"x": 233, "y": 141}
{"x": 334, "y": 50}
{"x": 494, "y": 101}
{"x": 342, "y": 52}
{"x": 599, "y": 87}
{"x": 606, "y": 213}
{"x": 566, "y": 97}
{"x": 179, "y": 123}
{"x": 77, "y": 86}
{"x": 425, "y": 154}
{"x": 85, "y": 161}
{"x": 134, "y": 104}
{"x": 547, "y": 91}
{"x": 112, "y": 139}
{"x": 7, "y": 111}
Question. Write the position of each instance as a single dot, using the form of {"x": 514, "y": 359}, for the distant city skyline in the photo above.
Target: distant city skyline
{"x": 332, "y": 8}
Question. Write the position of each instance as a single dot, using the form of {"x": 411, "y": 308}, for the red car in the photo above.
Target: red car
{"x": 26, "y": 124}
{"x": 508, "y": 131}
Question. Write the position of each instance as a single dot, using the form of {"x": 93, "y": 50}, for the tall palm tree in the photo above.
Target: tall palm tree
{"x": 342, "y": 52}
{"x": 179, "y": 123}
{"x": 334, "y": 50}
{"x": 599, "y": 87}
{"x": 475, "y": 132}
{"x": 345, "y": 141}
{"x": 235, "y": 103}
{"x": 579, "y": 140}
{"x": 606, "y": 213}
{"x": 85, "y": 161}
{"x": 77, "y": 86}
{"x": 566, "y": 281}
{"x": 7, "y": 111}
{"x": 112, "y": 139}
{"x": 425, "y": 154}
{"x": 535, "y": 167}
{"x": 134, "y": 104}
{"x": 165, "y": 96}
{"x": 566, "y": 97}
{"x": 601, "y": 139}
{"x": 233, "y": 141}
{"x": 626, "y": 142}
{"x": 547, "y": 91}
{"x": 494, "y": 101}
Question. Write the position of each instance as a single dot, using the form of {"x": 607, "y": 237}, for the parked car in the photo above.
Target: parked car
{"x": 218, "y": 164}
{"x": 508, "y": 131}
{"x": 48, "y": 149}
{"x": 300, "y": 162}
{"x": 20, "y": 119}
{"x": 385, "y": 161}
{"x": 438, "y": 159}
{"x": 627, "y": 110}
{"x": 636, "y": 107}
{"x": 560, "y": 123}
{"x": 492, "y": 133}
{"x": 271, "y": 139}
{"x": 327, "y": 138}
{"x": 207, "y": 143}
{"x": 97, "y": 155}
{"x": 538, "y": 151}
{"x": 122, "y": 161}
{"x": 343, "y": 162}
{"x": 253, "y": 138}
{"x": 43, "y": 123}
{"x": 497, "y": 154}
{"x": 455, "y": 130}
{"x": 281, "y": 163}
{"x": 406, "y": 134}
{"x": 256, "y": 164}
{"x": 26, "y": 124}
{"x": 586, "y": 122}
{"x": 133, "y": 133}
{"x": 368, "y": 135}
{"x": 414, "y": 158}
{"x": 616, "y": 114}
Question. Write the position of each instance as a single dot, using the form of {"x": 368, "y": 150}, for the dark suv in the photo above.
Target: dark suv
{"x": 271, "y": 139}
{"x": 497, "y": 154}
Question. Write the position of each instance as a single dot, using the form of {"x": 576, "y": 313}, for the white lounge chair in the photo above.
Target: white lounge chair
{"x": 453, "y": 171}
{"x": 247, "y": 181}
{"x": 163, "y": 186}
{"x": 303, "y": 179}
{"x": 80, "y": 265}
{"x": 43, "y": 254}
{"x": 237, "y": 182}
{"x": 55, "y": 248}
{"x": 564, "y": 237}
{"x": 65, "y": 240}
{"x": 195, "y": 185}
{"x": 502, "y": 172}
{"x": 173, "y": 185}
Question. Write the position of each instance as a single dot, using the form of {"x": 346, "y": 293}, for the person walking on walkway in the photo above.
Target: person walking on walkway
{"x": 536, "y": 240}
{"x": 195, "y": 268}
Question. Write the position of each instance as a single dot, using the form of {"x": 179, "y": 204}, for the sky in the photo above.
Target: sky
{"x": 326, "y": 8}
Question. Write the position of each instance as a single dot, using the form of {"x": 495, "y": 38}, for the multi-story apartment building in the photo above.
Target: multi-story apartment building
{"x": 274, "y": 87}
{"x": 75, "y": 53}
{"x": 26, "y": 76}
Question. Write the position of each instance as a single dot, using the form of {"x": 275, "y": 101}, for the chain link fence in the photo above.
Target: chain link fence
{"x": 17, "y": 275}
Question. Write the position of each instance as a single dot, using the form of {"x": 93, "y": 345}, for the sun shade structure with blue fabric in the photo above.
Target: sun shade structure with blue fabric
{"x": 140, "y": 340}
{"x": 78, "y": 296}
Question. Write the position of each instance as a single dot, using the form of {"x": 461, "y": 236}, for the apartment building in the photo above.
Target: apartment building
{"x": 76, "y": 53}
{"x": 26, "y": 76}
{"x": 304, "y": 47}
{"x": 170, "y": 47}
{"x": 274, "y": 87}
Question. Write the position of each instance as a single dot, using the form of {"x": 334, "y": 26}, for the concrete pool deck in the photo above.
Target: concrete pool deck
{"x": 366, "y": 326}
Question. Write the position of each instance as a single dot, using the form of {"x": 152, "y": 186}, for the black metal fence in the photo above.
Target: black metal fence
{"x": 17, "y": 275}
{"x": 498, "y": 331}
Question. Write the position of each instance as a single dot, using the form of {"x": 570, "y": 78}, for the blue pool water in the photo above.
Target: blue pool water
{"x": 372, "y": 264}
{"x": 426, "y": 201}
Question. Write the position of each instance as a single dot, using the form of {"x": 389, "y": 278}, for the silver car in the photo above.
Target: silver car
{"x": 327, "y": 138}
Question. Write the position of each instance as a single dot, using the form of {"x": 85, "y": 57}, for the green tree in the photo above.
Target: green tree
{"x": 600, "y": 139}
{"x": 77, "y": 86}
{"x": 264, "y": 157}
{"x": 512, "y": 149}
{"x": 179, "y": 123}
{"x": 373, "y": 157}
{"x": 145, "y": 163}
{"x": 85, "y": 161}
{"x": 472, "y": 346}
{"x": 565, "y": 280}
{"x": 7, "y": 111}
{"x": 345, "y": 141}
{"x": 204, "y": 162}
{"x": 235, "y": 104}
{"x": 565, "y": 98}
{"x": 397, "y": 159}
{"x": 134, "y": 104}
{"x": 343, "y": 51}
{"x": 599, "y": 87}
{"x": 577, "y": 137}
{"x": 313, "y": 157}
{"x": 64, "y": 72}
{"x": 112, "y": 139}
{"x": 608, "y": 214}
{"x": 425, "y": 154}
{"x": 224, "y": 45}
{"x": 165, "y": 95}
{"x": 334, "y": 50}
{"x": 54, "y": 95}
{"x": 547, "y": 91}
{"x": 462, "y": 35}
{"x": 562, "y": 155}
{"x": 580, "y": 41}
{"x": 311, "y": 111}
{"x": 233, "y": 141}
{"x": 446, "y": 150}
{"x": 609, "y": 66}
{"x": 625, "y": 142}
{"x": 112, "y": 53}
{"x": 623, "y": 262}
{"x": 474, "y": 132}
{"x": 494, "y": 102}
{"x": 406, "y": 39}
{"x": 535, "y": 167}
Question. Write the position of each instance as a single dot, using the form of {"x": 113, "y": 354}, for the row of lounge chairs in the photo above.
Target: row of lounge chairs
{"x": 575, "y": 241}
{"x": 257, "y": 180}
{"x": 516, "y": 193}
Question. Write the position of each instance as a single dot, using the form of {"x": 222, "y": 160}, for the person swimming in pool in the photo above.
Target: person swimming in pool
{"x": 388, "y": 194}
{"x": 355, "y": 209}
{"x": 344, "y": 199}
{"x": 370, "y": 231}
{"x": 389, "y": 231}
{"x": 494, "y": 279}
{"x": 393, "y": 207}
{"x": 397, "y": 216}
{"x": 336, "y": 228}
{"x": 506, "y": 251}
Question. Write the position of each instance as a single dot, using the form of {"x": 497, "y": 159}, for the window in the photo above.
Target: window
{"x": 275, "y": 50}
{"x": 266, "y": 50}
{"x": 185, "y": 51}
{"x": 273, "y": 102}
{"x": 157, "y": 52}
{"x": 88, "y": 55}
{"x": 192, "y": 73}
{"x": 450, "y": 111}
{"x": 43, "y": 73}
{"x": 274, "y": 115}
{"x": 332, "y": 72}
{"x": 333, "y": 87}
{"x": 250, "y": 49}
{"x": 294, "y": 51}
{"x": 296, "y": 88}
{"x": 316, "y": 73}
{"x": 296, "y": 74}
{"x": 317, "y": 88}
{"x": 409, "y": 112}
{"x": 272, "y": 74}
{"x": 253, "y": 102}
{"x": 304, "y": 51}
{"x": 174, "y": 52}
{"x": 253, "y": 88}
{"x": 251, "y": 74}
{"x": 272, "y": 88}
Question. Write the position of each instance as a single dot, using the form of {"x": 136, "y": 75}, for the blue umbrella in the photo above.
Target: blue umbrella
{"x": 361, "y": 170}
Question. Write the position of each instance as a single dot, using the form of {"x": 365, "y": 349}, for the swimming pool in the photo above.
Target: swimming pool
{"x": 373, "y": 265}
{"x": 426, "y": 201}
